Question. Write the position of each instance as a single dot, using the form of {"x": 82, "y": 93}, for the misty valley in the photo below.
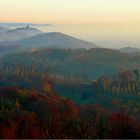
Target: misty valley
{"x": 56, "y": 86}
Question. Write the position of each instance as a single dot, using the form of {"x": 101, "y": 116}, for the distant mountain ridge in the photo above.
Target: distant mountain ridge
{"x": 55, "y": 40}
{"x": 129, "y": 50}
{"x": 14, "y": 24}
{"x": 27, "y": 30}
{"x": 10, "y": 35}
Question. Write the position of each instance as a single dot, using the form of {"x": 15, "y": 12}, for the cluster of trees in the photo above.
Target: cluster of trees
{"x": 126, "y": 83}
{"x": 29, "y": 114}
{"x": 17, "y": 70}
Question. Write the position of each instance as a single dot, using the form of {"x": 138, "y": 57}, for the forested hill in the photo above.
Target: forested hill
{"x": 79, "y": 63}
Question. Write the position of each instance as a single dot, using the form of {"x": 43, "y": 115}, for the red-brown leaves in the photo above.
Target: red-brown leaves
{"x": 122, "y": 126}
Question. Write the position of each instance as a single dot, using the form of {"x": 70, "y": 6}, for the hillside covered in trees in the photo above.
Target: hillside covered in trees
{"x": 47, "y": 94}
{"x": 79, "y": 63}
{"x": 41, "y": 105}
{"x": 29, "y": 114}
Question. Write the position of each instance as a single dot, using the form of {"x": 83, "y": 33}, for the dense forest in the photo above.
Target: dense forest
{"x": 37, "y": 104}
{"x": 28, "y": 114}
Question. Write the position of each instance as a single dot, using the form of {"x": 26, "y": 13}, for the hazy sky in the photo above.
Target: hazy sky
{"x": 70, "y": 11}
{"x": 109, "y": 23}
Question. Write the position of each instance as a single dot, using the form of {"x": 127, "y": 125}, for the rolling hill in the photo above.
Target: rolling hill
{"x": 54, "y": 40}
{"x": 79, "y": 63}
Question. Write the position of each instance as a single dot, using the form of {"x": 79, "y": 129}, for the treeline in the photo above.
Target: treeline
{"x": 17, "y": 70}
{"x": 125, "y": 83}
{"x": 21, "y": 71}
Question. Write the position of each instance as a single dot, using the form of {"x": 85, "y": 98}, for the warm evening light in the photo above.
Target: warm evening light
{"x": 70, "y": 69}
{"x": 70, "y": 11}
